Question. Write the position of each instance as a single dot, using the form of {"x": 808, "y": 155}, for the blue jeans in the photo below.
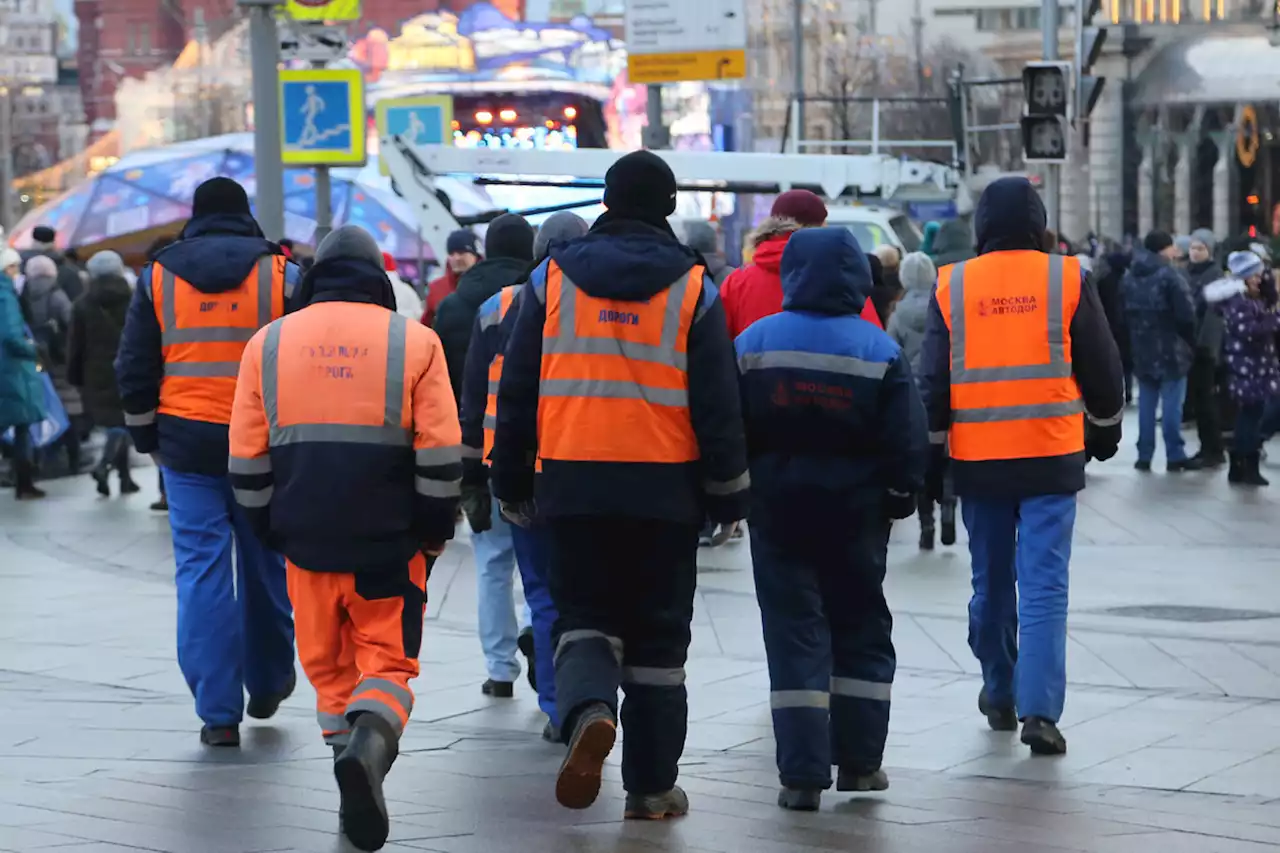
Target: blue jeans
{"x": 1020, "y": 551}
{"x": 495, "y": 596}
{"x": 235, "y": 623}
{"x": 533, "y": 553}
{"x": 1168, "y": 395}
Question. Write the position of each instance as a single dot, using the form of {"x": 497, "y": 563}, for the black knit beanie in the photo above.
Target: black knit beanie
{"x": 640, "y": 186}
{"x": 220, "y": 195}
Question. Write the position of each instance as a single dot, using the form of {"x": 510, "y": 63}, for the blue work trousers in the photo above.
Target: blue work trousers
{"x": 532, "y": 555}
{"x": 1018, "y": 614}
{"x": 495, "y": 555}
{"x": 827, "y": 636}
{"x": 1168, "y": 396}
{"x": 235, "y": 624}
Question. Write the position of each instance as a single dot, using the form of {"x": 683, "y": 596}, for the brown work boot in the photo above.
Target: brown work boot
{"x": 673, "y": 803}
{"x": 578, "y": 784}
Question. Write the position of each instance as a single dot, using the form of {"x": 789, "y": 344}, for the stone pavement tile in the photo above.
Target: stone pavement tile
{"x": 36, "y": 838}
{"x": 1259, "y": 776}
{"x": 1144, "y": 664}
{"x": 1163, "y": 767}
{"x": 1085, "y": 667}
{"x": 1222, "y": 665}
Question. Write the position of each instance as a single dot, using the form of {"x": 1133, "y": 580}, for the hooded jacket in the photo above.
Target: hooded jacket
{"x": 21, "y": 391}
{"x": 97, "y": 322}
{"x": 755, "y": 291}
{"x": 214, "y": 254}
{"x": 1161, "y": 317}
{"x": 832, "y": 414}
{"x": 457, "y": 313}
{"x": 351, "y": 507}
{"x": 1011, "y": 217}
{"x": 911, "y": 315}
{"x": 49, "y": 314}
{"x": 1249, "y": 347}
{"x": 629, "y": 261}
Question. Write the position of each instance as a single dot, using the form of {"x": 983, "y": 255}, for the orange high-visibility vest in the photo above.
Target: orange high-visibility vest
{"x": 1013, "y": 394}
{"x": 615, "y": 384}
{"x": 203, "y": 335}
{"x": 505, "y": 297}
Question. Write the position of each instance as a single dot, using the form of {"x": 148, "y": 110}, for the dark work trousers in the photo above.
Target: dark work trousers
{"x": 1202, "y": 397}
{"x": 624, "y": 591}
{"x": 827, "y": 635}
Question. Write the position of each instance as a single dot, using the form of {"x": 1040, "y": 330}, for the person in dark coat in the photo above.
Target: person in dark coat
{"x": 1108, "y": 275}
{"x": 1202, "y": 384}
{"x": 48, "y": 310}
{"x": 837, "y": 442}
{"x": 508, "y": 249}
{"x": 953, "y": 243}
{"x": 21, "y": 391}
{"x": 44, "y": 240}
{"x": 97, "y": 321}
{"x": 1253, "y": 375}
{"x": 701, "y": 237}
{"x": 1162, "y": 331}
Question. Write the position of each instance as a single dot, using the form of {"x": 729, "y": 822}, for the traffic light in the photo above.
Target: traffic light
{"x": 1092, "y": 40}
{"x": 1046, "y": 111}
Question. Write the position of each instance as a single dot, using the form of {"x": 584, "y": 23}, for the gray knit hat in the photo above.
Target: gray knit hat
{"x": 105, "y": 263}
{"x": 351, "y": 242}
{"x": 917, "y": 272}
{"x": 1205, "y": 237}
{"x": 558, "y": 228}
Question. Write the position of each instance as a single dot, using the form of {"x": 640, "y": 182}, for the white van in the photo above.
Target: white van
{"x": 877, "y": 226}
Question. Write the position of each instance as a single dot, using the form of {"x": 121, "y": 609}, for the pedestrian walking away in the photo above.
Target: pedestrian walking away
{"x": 195, "y": 307}
{"x": 1017, "y": 353}
{"x": 97, "y": 322}
{"x": 48, "y": 310}
{"x": 21, "y": 391}
{"x": 1202, "y": 383}
{"x": 621, "y": 342}
{"x": 347, "y": 397}
{"x": 837, "y": 442}
{"x": 1161, "y": 318}
{"x": 1253, "y": 374}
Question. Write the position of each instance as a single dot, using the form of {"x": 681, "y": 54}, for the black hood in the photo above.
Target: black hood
{"x": 625, "y": 259}
{"x": 110, "y": 291}
{"x": 346, "y": 280}
{"x": 1010, "y": 216}
{"x": 488, "y": 277}
{"x": 216, "y": 253}
{"x": 825, "y": 271}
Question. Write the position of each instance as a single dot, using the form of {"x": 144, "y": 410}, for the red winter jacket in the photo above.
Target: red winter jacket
{"x": 755, "y": 291}
{"x": 437, "y": 290}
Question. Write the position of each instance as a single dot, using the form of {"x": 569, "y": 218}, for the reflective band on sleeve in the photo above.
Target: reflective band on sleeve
{"x": 842, "y": 364}
{"x": 730, "y": 487}
{"x": 856, "y": 688}
{"x": 579, "y": 635}
{"x": 614, "y": 389}
{"x": 207, "y": 335}
{"x": 472, "y": 452}
{"x": 428, "y": 456}
{"x": 939, "y": 437}
{"x": 144, "y": 419}
{"x": 996, "y": 414}
{"x": 249, "y": 464}
{"x": 254, "y": 498}
{"x": 488, "y": 321}
{"x": 400, "y": 694}
{"x": 779, "y": 699}
{"x": 653, "y": 676}
{"x": 203, "y": 369}
{"x": 342, "y": 434}
{"x": 493, "y": 385}
{"x": 1107, "y": 422}
{"x": 429, "y": 488}
{"x": 490, "y": 421}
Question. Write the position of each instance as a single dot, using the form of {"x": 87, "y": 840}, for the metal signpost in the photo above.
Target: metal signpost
{"x": 1053, "y": 173}
{"x": 264, "y": 45}
{"x": 425, "y": 120}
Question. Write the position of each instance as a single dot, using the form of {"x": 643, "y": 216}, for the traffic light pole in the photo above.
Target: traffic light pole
{"x": 1053, "y": 173}
{"x": 264, "y": 47}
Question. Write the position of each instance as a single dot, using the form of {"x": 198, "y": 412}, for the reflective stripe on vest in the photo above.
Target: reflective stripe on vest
{"x": 201, "y": 362}
{"x": 614, "y": 384}
{"x": 505, "y": 298}
{"x": 1027, "y": 403}
{"x": 390, "y": 432}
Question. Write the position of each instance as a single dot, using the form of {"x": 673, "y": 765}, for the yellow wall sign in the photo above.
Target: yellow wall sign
{"x": 324, "y": 10}
{"x": 678, "y": 67}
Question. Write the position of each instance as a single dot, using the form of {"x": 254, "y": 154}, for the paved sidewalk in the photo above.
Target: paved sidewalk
{"x": 1172, "y": 717}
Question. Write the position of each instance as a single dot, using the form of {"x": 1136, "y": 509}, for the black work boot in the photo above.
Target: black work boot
{"x": 498, "y": 689}
{"x": 578, "y": 783}
{"x": 1250, "y": 471}
{"x": 1235, "y": 473}
{"x": 999, "y": 719}
{"x": 265, "y": 707}
{"x": 925, "y": 514}
{"x": 525, "y": 644}
{"x": 360, "y": 770}
{"x": 1043, "y": 737}
{"x": 851, "y": 779}
{"x": 220, "y": 735}
{"x": 948, "y": 521}
{"x": 800, "y": 799}
{"x": 673, "y": 803}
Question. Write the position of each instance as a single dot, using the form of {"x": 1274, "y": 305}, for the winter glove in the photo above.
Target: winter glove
{"x": 1101, "y": 442}
{"x": 477, "y": 505}
{"x": 520, "y": 514}
{"x": 899, "y": 505}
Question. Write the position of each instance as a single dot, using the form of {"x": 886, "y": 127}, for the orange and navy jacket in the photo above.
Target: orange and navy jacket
{"x": 344, "y": 437}
{"x": 626, "y": 274}
{"x": 177, "y": 361}
{"x": 478, "y": 407}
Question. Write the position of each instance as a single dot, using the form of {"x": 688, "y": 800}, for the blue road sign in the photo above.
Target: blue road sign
{"x": 422, "y": 120}
{"x": 323, "y": 117}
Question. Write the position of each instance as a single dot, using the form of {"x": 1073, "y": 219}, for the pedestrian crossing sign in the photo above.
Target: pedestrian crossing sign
{"x": 324, "y": 10}
{"x": 425, "y": 120}
{"x": 322, "y": 117}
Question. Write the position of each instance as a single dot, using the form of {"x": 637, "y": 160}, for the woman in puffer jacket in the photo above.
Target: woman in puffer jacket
{"x": 1253, "y": 373}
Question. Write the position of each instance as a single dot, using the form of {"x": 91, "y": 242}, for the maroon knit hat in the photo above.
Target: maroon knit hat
{"x": 802, "y": 206}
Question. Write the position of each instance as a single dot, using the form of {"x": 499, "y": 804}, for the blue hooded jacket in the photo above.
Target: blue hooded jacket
{"x": 215, "y": 254}
{"x": 630, "y": 261}
{"x": 833, "y": 417}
